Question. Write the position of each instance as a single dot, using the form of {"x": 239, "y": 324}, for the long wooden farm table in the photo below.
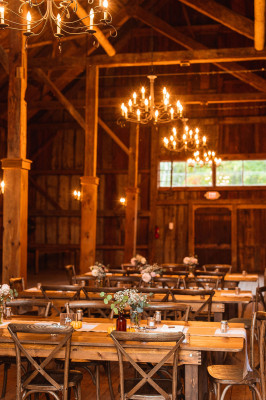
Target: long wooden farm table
{"x": 219, "y": 302}
{"x": 97, "y": 345}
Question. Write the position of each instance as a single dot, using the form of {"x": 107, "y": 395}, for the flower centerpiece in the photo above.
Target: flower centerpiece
{"x": 5, "y": 294}
{"x": 99, "y": 272}
{"x": 138, "y": 260}
{"x": 127, "y": 298}
{"x": 192, "y": 262}
{"x": 148, "y": 272}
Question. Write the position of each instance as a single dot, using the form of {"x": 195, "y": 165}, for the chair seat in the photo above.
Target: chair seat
{"x": 245, "y": 321}
{"x": 148, "y": 391}
{"x": 58, "y": 375}
{"x": 231, "y": 374}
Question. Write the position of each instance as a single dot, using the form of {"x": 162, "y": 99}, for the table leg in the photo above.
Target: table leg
{"x": 196, "y": 380}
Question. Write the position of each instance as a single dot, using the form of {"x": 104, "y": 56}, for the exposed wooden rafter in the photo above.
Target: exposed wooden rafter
{"x": 223, "y": 15}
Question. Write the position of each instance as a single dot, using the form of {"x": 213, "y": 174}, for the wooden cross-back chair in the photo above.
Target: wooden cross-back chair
{"x": 167, "y": 282}
{"x": 260, "y": 299}
{"x": 147, "y": 387}
{"x": 91, "y": 306}
{"x": 176, "y": 311}
{"x": 121, "y": 281}
{"x": 205, "y": 301}
{"x": 226, "y": 268}
{"x": 230, "y": 375}
{"x": 25, "y": 306}
{"x": 212, "y": 275}
{"x": 206, "y": 283}
{"x": 17, "y": 284}
{"x": 63, "y": 290}
{"x": 41, "y": 379}
{"x": 71, "y": 273}
{"x": 105, "y": 311}
{"x": 175, "y": 267}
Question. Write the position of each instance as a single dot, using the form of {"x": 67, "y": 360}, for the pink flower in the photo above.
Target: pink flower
{"x": 133, "y": 261}
{"x": 153, "y": 274}
{"x": 146, "y": 277}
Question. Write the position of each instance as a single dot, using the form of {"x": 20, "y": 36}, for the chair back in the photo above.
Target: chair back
{"x": 92, "y": 307}
{"x": 175, "y": 267}
{"x": 63, "y": 290}
{"x": 61, "y": 346}
{"x": 226, "y": 268}
{"x": 165, "y": 282}
{"x": 180, "y": 312}
{"x": 260, "y": 299}
{"x": 120, "y": 339}
{"x": 22, "y": 306}
{"x": 258, "y": 329}
{"x": 205, "y": 283}
{"x": 205, "y": 301}
{"x": 17, "y": 284}
{"x": 124, "y": 281}
{"x": 71, "y": 273}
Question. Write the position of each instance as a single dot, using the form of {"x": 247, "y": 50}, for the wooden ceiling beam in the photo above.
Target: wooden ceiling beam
{"x": 202, "y": 56}
{"x": 238, "y": 23}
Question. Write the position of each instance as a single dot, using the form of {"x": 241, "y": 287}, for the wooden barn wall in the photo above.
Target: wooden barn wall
{"x": 3, "y": 150}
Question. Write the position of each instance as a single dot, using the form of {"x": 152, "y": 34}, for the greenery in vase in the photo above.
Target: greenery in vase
{"x": 124, "y": 298}
{"x": 98, "y": 271}
{"x": 148, "y": 272}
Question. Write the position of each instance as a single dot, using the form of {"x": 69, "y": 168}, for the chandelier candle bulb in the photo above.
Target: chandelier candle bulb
{"x": 123, "y": 109}
{"x": 2, "y": 187}
{"x": 125, "y": 112}
{"x": 143, "y": 92}
{"x": 165, "y": 104}
{"x": 146, "y": 103}
{"x": 58, "y": 30}
{"x": 130, "y": 105}
{"x": 164, "y": 93}
{"x": 105, "y": 14}
{"x": 156, "y": 115}
{"x": 2, "y": 15}
{"x": 134, "y": 97}
{"x": 91, "y": 19}
{"x": 138, "y": 114}
{"x": 28, "y": 22}
{"x": 172, "y": 113}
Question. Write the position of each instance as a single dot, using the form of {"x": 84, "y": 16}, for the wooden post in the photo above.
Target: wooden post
{"x": 132, "y": 192}
{"x": 153, "y": 190}
{"x": 16, "y": 166}
{"x": 89, "y": 182}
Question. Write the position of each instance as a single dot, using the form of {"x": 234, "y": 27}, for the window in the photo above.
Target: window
{"x": 243, "y": 172}
{"x": 229, "y": 173}
{"x": 179, "y": 174}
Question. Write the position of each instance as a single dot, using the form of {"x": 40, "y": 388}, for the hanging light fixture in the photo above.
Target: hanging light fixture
{"x": 32, "y": 16}
{"x": 190, "y": 140}
{"x": 2, "y": 187}
{"x": 143, "y": 109}
{"x": 206, "y": 157}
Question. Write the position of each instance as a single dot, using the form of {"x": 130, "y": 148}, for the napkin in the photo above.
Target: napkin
{"x": 4, "y": 324}
{"x": 170, "y": 328}
{"x": 87, "y": 327}
{"x": 238, "y": 332}
{"x": 32, "y": 289}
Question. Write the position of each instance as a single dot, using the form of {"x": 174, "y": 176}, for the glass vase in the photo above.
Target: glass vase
{"x": 135, "y": 318}
{"x": 121, "y": 323}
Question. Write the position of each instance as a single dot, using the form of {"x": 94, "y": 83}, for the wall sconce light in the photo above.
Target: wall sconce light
{"x": 122, "y": 201}
{"x": 2, "y": 187}
{"x": 77, "y": 195}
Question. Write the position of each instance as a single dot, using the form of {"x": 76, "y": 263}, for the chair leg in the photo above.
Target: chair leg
{"x": 108, "y": 368}
{"x": 224, "y": 391}
{"x": 256, "y": 392}
{"x": 6, "y": 368}
{"x": 97, "y": 379}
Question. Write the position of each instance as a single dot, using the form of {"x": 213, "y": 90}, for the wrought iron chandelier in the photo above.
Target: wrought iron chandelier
{"x": 190, "y": 140}
{"x": 206, "y": 157}
{"x": 32, "y": 16}
{"x": 144, "y": 110}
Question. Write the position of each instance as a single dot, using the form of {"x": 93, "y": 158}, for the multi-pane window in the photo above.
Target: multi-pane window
{"x": 229, "y": 173}
{"x": 179, "y": 174}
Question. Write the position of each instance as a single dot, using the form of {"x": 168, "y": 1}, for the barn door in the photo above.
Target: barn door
{"x": 212, "y": 238}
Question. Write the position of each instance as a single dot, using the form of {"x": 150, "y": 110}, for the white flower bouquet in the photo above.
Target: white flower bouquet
{"x": 191, "y": 260}
{"x": 138, "y": 260}
{"x": 148, "y": 272}
{"x": 98, "y": 271}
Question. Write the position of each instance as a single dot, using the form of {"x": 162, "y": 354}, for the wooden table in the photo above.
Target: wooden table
{"x": 99, "y": 346}
{"x": 219, "y": 301}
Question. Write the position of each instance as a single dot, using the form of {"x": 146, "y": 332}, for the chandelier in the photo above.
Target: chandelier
{"x": 206, "y": 157}
{"x": 190, "y": 140}
{"x": 143, "y": 109}
{"x": 32, "y": 16}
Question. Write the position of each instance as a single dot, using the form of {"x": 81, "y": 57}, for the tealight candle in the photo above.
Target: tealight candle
{"x": 150, "y": 322}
